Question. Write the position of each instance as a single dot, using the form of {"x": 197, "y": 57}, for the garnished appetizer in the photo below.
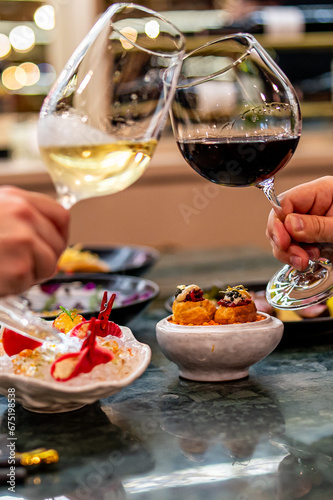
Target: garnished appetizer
{"x": 84, "y": 345}
{"x": 235, "y": 306}
{"x": 190, "y": 307}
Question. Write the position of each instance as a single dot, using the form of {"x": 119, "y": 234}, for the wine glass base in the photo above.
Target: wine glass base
{"x": 292, "y": 289}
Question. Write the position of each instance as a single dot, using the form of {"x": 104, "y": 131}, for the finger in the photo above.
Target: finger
{"x": 16, "y": 269}
{"x": 278, "y": 235}
{"x": 312, "y": 251}
{"x": 43, "y": 242}
{"x": 310, "y": 228}
{"x": 295, "y": 256}
{"x": 32, "y": 226}
{"x": 45, "y": 260}
{"x": 315, "y": 197}
{"x": 44, "y": 204}
{"x": 53, "y": 211}
{"x": 47, "y": 234}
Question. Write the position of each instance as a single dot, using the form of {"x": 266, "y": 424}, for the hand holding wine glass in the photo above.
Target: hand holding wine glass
{"x": 236, "y": 118}
{"x": 308, "y": 210}
{"x": 33, "y": 234}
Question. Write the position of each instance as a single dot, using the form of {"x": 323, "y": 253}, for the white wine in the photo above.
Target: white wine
{"x": 86, "y": 171}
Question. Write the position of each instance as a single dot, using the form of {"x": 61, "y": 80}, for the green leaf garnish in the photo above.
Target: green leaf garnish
{"x": 69, "y": 312}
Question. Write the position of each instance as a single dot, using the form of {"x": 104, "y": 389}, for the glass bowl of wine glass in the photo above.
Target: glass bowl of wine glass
{"x": 102, "y": 119}
{"x": 236, "y": 119}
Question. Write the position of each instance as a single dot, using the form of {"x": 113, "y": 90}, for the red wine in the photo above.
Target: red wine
{"x": 238, "y": 161}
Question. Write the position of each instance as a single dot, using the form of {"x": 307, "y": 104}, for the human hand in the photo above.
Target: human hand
{"x": 33, "y": 234}
{"x": 308, "y": 210}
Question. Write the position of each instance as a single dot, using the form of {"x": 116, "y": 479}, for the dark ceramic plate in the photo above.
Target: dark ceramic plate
{"x": 296, "y": 333}
{"x": 129, "y": 260}
{"x": 84, "y": 292}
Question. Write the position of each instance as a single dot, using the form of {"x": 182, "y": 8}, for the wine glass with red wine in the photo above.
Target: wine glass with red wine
{"x": 237, "y": 122}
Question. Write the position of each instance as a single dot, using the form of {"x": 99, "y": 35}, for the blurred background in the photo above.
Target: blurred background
{"x": 170, "y": 207}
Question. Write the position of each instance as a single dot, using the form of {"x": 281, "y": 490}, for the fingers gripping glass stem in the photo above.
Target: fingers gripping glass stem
{"x": 267, "y": 187}
{"x": 290, "y": 288}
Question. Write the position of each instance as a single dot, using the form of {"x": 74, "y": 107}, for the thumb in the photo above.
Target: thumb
{"x": 310, "y": 228}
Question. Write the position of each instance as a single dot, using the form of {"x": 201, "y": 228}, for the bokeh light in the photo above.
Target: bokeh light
{"x": 5, "y": 46}
{"x": 44, "y": 17}
{"x": 31, "y": 74}
{"x": 22, "y": 38}
{"x": 131, "y": 34}
{"x": 152, "y": 29}
{"x": 9, "y": 77}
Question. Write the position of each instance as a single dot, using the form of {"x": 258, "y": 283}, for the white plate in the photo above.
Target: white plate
{"x": 56, "y": 397}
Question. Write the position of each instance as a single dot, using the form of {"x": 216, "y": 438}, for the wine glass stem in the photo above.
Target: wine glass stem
{"x": 267, "y": 186}
{"x": 66, "y": 201}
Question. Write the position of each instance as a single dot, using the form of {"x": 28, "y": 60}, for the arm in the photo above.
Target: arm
{"x": 33, "y": 234}
{"x": 308, "y": 210}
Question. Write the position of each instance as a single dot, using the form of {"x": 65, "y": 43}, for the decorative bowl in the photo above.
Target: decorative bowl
{"x": 217, "y": 353}
{"x": 57, "y": 397}
{"x": 84, "y": 292}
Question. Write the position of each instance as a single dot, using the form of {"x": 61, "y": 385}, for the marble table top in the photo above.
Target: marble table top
{"x": 266, "y": 437}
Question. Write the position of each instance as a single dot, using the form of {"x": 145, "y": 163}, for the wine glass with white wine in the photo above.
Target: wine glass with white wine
{"x": 101, "y": 121}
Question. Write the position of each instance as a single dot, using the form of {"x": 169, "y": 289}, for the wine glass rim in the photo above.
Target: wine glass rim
{"x": 180, "y": 46}
{"x": 251, "y": 43}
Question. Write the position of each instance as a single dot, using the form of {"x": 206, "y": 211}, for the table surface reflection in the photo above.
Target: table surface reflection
{"x": 269, "y": 436}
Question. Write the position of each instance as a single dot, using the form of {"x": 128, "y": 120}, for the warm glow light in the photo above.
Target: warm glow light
{"x": 5, "y": 46}
{"x": 44, "y": 17}
{"x": 31, "y": 73}
{"x": 9, "y": 78}
{"x": 22, "y": 38}
{"x": 152, "y": 29}
{"x": 85, "y": 81}
{"x": 131, "y": 34}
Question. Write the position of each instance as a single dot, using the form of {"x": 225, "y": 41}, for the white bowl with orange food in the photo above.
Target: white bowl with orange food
{"x": 214, "y": 352}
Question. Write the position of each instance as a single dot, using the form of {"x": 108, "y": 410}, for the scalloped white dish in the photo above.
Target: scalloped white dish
{"x": 217, "y": 353}
{"x": 43, "y": 396}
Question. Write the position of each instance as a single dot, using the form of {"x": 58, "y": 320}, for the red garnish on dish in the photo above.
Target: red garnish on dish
{"x": 13, "y": 342}
{"x": 194, "y": 295}
{"x": 112, "y": 328}
{"x": 234, "y": 297}
{"x": 103, "y": 326}
{"x": 71, "y": 364}
{"x": 227, "y": 303}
